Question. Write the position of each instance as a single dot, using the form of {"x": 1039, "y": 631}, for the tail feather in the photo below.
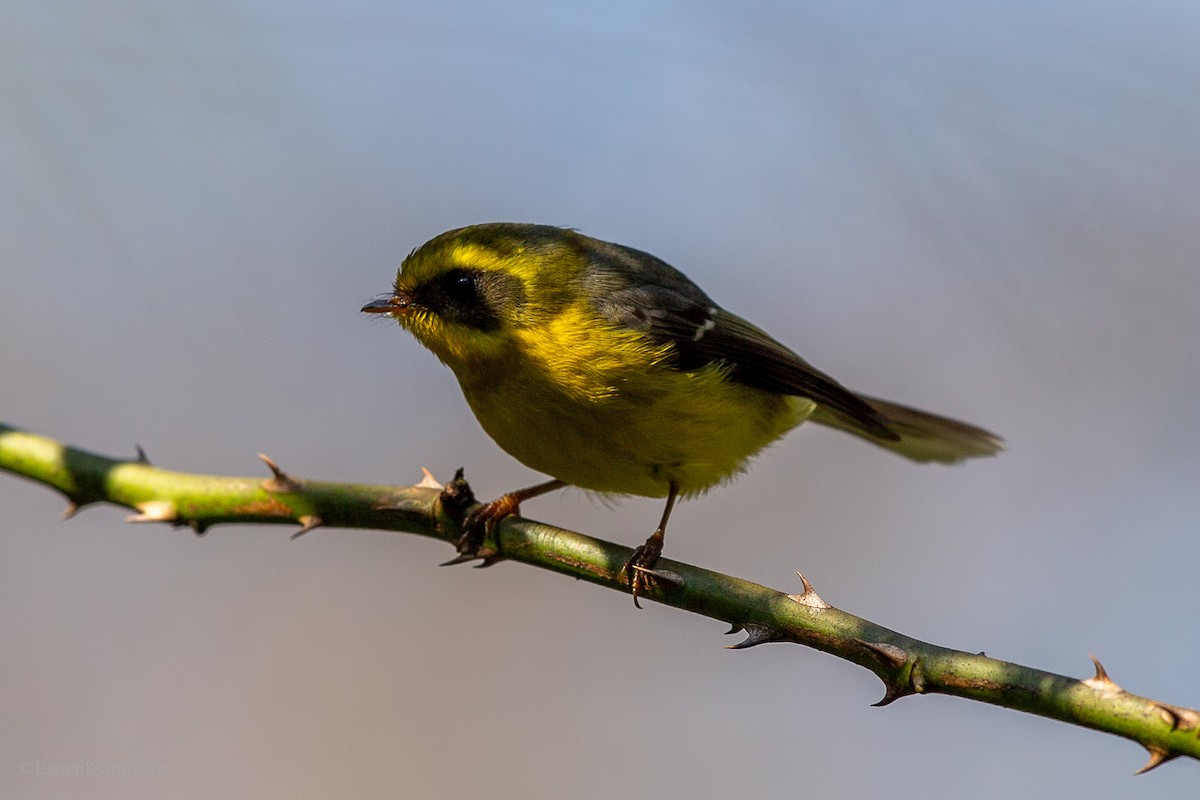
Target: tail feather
{"x": 923, "y": 436}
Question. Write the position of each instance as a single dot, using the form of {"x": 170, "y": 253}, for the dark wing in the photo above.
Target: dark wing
{"x": 638, "y": 291}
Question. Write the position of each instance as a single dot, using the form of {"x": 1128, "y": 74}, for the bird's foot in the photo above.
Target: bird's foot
{"x": 639, "y": 568}
{"x": 477, "y": 522}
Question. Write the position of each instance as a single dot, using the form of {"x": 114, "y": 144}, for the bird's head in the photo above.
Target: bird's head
{"x": 465, "y": 293}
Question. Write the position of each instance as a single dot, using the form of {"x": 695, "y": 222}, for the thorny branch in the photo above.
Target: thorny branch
{"x": 905, "y": 665}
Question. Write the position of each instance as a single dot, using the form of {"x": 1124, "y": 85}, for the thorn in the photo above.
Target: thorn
{"x": 275, "y": 470}
{"x": 1100, "y": 681}
{"x": 1101, "y": 675}
{"x": 809, "y": 596}
{"x": 456, "y": 496}
{"x": 892, "y": 692}
{"x": 199, "y": 528}
{"x": 1158, "y": 757}
{"x": 1183, "y": 719}
{"x": 910, "y": 681}
{"x": 154, "y": 511}
{"x": 307, "y": 523}
{"x": 71, "y": 510}
{"x": 487, "y": 558}
{"x": 428, "y": 481}
{"x": 463, "y": 558}
{"x": 281, "y": 482}
{"x": 755, "y": 635}
{"x": 141, "y": 455}
{"x": 890, "y": 653}
{"x": 280, "y": 475}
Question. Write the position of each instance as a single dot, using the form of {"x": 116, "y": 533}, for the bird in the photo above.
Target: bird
{"x": 605, "y": 368}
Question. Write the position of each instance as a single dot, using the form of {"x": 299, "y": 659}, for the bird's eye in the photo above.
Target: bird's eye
{"x": 460, "y": 288}
{"x": 464, "y": 296}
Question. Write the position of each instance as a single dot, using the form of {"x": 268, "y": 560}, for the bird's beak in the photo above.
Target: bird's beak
{"x": 388, "y": 304}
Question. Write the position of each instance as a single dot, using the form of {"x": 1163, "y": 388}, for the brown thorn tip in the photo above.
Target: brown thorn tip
{"x": 71, "y": 510}
{"x": 488, "y": 558}
{"x": 141, "y": 455}
{"x": 1158, "y": 757}
{"x": 280, "y": 481}
{"x": 891, "y": 694}
{"x": 199, "y": 528}
{"x": 428, "y": 481}
{"x": 755, "y": 635}
{"x": 809, "y": 596}
{"x": 461, "y": 558}
{"x": 1100, "y": 681}
{"x": 307, "y": 523}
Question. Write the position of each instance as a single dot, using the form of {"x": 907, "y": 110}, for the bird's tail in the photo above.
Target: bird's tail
{"x": 923, "y": 436}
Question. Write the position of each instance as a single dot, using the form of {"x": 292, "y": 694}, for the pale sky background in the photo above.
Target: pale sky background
{"x": 990, "y": 210}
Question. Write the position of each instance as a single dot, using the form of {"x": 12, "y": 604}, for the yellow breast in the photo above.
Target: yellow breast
{"x": 602, "y": 408}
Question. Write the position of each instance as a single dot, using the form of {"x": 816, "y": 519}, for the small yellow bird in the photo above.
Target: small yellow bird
{"x": 608, "y": 369}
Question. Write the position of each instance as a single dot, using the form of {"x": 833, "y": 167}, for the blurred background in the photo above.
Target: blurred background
{"x": 990, "y": 212}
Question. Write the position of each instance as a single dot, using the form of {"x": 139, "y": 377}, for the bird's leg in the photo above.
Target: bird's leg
{"x": 639, "y": 567}
{"x": 481, "y": 520}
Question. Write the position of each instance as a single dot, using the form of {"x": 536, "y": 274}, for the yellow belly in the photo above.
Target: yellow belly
{"x": 620, "y": 419}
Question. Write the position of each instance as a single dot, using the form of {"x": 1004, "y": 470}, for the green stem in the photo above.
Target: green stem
{"x": 905, "y": 665}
